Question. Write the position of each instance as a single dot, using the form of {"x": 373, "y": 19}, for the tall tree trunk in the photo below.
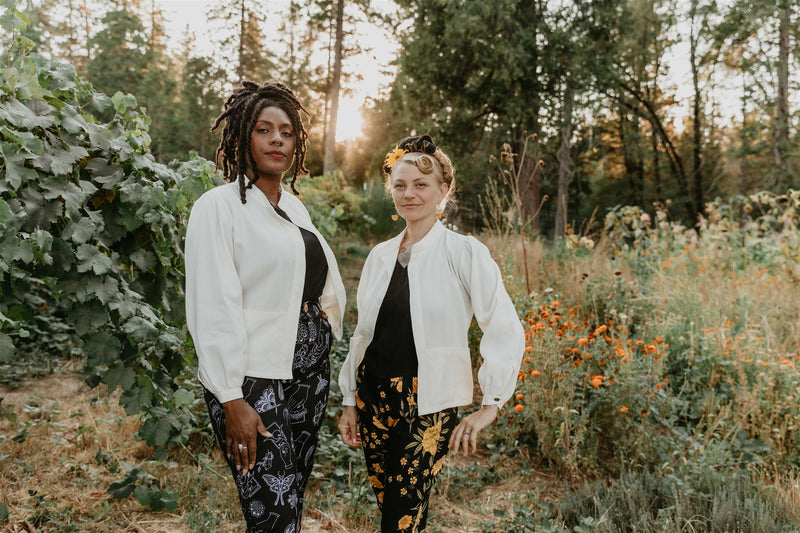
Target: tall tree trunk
{"x": 656, "y": 167}
{"x": 530, "y": 178}
{"x": 530, "y": 183}
{"x": 240, "y": 66}
{"x": 782, "y": 103}
{"x": 697, "y": 163}
{"x": 329, "y": 159}
{"x": 564, "y": 166}
{"x": 743, "y": 185}
{"x": 633, "y": 170}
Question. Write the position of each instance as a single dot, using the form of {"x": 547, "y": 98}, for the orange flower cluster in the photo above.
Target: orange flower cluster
{"x": 598, "y": 349}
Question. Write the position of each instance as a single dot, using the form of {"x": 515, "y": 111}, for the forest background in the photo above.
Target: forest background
{"x": 647, "y": 231}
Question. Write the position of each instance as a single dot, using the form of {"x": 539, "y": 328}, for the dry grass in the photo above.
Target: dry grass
{"x": 69, "y": 426}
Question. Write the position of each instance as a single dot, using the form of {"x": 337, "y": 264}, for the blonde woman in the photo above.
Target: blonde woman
{"x": 409, "y": 369}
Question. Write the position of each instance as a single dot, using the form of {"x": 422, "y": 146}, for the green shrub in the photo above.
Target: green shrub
{"x": 91, "y": 229}
{"x": 703, "y": 499}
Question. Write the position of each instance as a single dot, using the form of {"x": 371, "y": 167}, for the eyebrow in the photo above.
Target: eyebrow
{"x": 269, "y": 122}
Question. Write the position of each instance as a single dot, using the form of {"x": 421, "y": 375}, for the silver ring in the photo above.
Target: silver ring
{"x": 466, "y": 433}
{"x": 242, "y": 447}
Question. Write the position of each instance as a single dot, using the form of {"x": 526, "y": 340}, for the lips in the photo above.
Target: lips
{"x": 276, "y": 155}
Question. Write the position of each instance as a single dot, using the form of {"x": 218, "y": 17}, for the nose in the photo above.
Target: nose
{"x": 276, "y": 139}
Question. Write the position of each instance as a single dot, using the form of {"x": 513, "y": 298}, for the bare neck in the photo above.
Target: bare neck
{"x": 271, "y": 187}
{"x": 416, "y": 231}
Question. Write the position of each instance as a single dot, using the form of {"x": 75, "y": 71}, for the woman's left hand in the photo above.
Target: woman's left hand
{"x": 466, "y": 432}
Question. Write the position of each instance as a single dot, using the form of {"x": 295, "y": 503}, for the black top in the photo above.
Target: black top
{"x": 316, "y": 264}
{"x": 392, "y": 352}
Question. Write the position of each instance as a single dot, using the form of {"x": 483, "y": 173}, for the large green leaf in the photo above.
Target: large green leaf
{"x": 102, "y": 349}
{"x": 119, "y": 376}
{"x": 7, "y": 348}
{"x": 137, "y": 399}
{"x": 16, "y": 173}
{"x": 5, "y": 211}
{"x": 104, "y": 288}
{"x": 81, "y": 230}
{"x": 92, "y": 258}
{"x": 20, "y": 115}
{"x": 25, "y": 139}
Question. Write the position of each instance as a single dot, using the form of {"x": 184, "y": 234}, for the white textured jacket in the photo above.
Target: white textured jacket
{"x": 245, "y": 272}
{"x": 450, "y": 278}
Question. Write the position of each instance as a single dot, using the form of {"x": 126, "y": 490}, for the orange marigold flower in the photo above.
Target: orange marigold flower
{"x": 519, "y": 407}
{"x": 560, "y": 376}
{"x": 527, "y": 360}
{"x": 600, "y": 329}
{"x": 529, "y": 348}
{"x": 534, "y": 373}
{"x": 597, "y": 380}
{"x": 519, "y": 396}
{"x": 623, "y": 409}
{"x": 659, "y": 340}
{"x": 555, "y": 304}
{"x": 582, "y": 341}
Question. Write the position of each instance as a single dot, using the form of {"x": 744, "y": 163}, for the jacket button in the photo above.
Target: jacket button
{"x": 497, "y": 399}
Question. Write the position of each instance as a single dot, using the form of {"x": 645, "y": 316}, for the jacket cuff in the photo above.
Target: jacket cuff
{"x": 489, "y": 399}
{"x": 348, "y": 398}
{"x": 229, "y": 394}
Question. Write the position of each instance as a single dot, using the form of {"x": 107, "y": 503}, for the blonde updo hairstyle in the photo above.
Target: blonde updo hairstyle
{"x": 423, "y": 154}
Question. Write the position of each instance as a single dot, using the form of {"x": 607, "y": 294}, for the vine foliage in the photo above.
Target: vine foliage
{"x": 90, "y": 238}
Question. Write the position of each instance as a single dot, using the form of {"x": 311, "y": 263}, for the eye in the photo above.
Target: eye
{"x": 262, "y": 130}
{"x": 287, "y": 133}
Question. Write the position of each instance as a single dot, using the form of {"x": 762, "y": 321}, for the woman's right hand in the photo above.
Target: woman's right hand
{"x": 348, "y": 427}
{"x": 242, "y": 425}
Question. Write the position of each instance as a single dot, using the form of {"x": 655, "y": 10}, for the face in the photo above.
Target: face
{"x": 415, "y": 195}
{"x": 272, "y": 142}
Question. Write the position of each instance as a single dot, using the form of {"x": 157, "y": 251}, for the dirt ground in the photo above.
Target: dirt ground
{"x": 54, "y": 470}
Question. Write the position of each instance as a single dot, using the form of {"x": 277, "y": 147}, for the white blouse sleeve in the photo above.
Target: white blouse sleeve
{"x": 214, "y": 310}
{"x": 503, "y": 342}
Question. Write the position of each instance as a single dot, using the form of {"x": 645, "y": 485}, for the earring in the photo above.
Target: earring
{"x": 395, "y": 217}
{"x": 439, "y": 215}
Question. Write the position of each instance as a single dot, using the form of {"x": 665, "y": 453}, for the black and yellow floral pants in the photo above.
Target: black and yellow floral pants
{"x": 404, "y": 451}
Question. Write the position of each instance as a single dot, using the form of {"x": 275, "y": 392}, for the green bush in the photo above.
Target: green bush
{"x": 91, "y": 229}
{"x": 694, "y": 500}
{"x": 678, "y": 346}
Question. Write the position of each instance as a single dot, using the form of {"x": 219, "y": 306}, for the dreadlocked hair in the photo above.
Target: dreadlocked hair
{"x": 241, "y": 109}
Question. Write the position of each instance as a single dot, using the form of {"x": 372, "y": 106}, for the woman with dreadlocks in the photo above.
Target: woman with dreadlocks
{"x": 409, "y": 369}
{"x": 263, "y": 298}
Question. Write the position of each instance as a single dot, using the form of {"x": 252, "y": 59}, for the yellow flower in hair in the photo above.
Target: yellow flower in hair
{"x": 393, "y": 156}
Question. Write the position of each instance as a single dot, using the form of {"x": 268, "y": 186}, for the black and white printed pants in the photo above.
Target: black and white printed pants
{"x": 292, "y": 410}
